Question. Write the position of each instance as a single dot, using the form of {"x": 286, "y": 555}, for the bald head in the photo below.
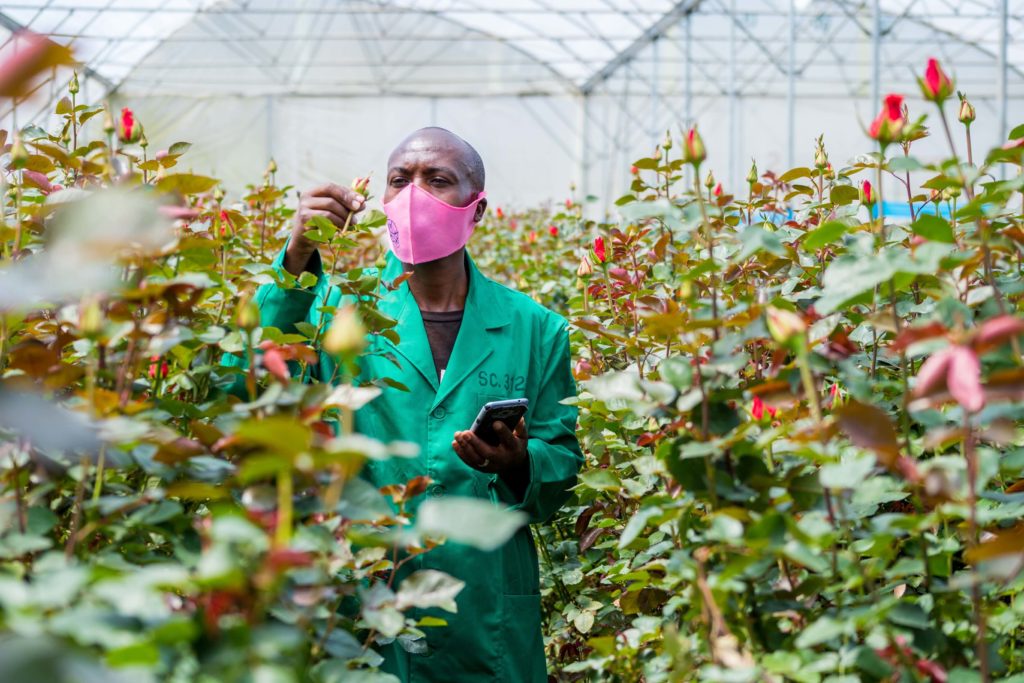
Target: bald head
{"x": 443, "y": 146}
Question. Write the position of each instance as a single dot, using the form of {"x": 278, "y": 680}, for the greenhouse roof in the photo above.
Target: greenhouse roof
{"x": 513, "y": 47}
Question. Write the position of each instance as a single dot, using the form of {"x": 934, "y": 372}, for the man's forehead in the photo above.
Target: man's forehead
{"x": 436, "y": 152}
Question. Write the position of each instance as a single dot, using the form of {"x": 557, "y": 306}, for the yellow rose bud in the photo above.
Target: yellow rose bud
{"x": 709, "y": 182}
{"x": 73, "y": 84}
{"x": 752, "y": 174}
{"x": 346, "y": 335}
{"x": 585, "y": 270}
{"x": 247, "y": 315}
{"x": 785, "y": 325}
{"x": 19, "y": 155}
{"x": 967, "y": 113}
{"x": 272, "y": 166}
{"x": 90, "y": 317}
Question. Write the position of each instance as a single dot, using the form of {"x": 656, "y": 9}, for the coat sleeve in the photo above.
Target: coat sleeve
{"x": 281, "y": 308}
{"x": 554, "y": 451}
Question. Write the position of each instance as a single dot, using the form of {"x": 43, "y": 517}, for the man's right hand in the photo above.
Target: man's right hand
{"x": 333, "y": 202}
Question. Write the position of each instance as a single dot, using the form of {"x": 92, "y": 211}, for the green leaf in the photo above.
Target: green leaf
{"x": 678, "y": 372}
{"x": 471, "y": 521}
{"x": 179, "y": 148}
{"x": 282, "y": 435}
{"x": 600, "y": 480}
{"x": 934, "y": 228}
{"x": 826, "y": 233}
{"x": 139, "y": 654}
{"x": 757, "y": 239}
{"x": 822, "y": 630}
{"x": 186, "y": 183}
{"x": 794, "y": 174}
{"x": 842, "y": 195}
{"x": 429, "y": 588}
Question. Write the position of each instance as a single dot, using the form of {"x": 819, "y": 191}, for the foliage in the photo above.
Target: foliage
{"x": 802, "y": 420}
{"x": 154, "y": 525}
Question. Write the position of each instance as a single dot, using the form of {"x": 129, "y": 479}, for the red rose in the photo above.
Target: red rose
{"x": 499, "y": 213}
{"x": 936, "y": 85}
{"x": 889, "y": 123}
{"x": 599, "y": 253}
{"x": 129, "y": 130}
{"x": 758, "y": 409}
{"x": 866, "y": 197}
{"x": 553, "y": 229}
{"x": 693, "y": 148}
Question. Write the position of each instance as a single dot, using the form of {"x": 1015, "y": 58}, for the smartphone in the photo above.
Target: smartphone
{"x": 509, "y": 411}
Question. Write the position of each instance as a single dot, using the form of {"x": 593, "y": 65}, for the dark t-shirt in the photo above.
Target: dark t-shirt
{"x": 442, "y": 328}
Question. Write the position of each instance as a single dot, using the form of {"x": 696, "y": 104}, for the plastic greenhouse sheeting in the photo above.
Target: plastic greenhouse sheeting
{"x": 551, "y": 92}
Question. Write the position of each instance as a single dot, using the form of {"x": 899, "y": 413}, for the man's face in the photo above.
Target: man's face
{"x": 435, "y": 164}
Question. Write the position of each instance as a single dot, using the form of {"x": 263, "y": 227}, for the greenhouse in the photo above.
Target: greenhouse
{"x": 520, "y": 341}
{"x": 585, "y": 85}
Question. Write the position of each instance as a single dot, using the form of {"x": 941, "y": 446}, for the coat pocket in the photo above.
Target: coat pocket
{"x": 524, "y": 645}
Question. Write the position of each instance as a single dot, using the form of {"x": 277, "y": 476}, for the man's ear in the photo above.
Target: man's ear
{"x": 481, "y": 208}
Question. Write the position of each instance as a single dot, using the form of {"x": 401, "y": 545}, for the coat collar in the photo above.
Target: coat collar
{"x": 483, "y": 316}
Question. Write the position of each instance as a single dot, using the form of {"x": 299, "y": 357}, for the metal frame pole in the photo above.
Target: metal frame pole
{"x": 655, "y": 53}
{"x": 584, "y": 152}
{"x": 876, "y": 54}
{"x": 688, "y": 82}
{"x": 791, "y": 90}
{"x": 1003, "y": 67}
{"x": 733, "y": 104}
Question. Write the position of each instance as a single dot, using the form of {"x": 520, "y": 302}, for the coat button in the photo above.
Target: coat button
{"x": 436, "y": 491}
{"x": 439, "y": 413}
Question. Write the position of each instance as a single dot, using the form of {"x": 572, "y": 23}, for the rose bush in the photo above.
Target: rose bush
{"x": 802, "y": 419}
{"x": 802, "y": 422}
{"x": 164, "y": 516}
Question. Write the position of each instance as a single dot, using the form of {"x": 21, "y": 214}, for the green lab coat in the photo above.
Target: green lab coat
{"x": 508, "y": 347}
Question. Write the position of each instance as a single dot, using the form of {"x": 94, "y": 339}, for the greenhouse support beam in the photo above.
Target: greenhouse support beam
{"x": 791, "y": 89}
{"x": 15, "y": 26}
{"x": 876, "y": 52}
{"x": 1003, "y": 68}
{"x": 658, "y": 29}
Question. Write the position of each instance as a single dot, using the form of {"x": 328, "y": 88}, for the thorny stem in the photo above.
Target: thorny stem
{"x": 972, "y": 531}
{"x": 285, "y": 485}
{"x": 709, "y": 238}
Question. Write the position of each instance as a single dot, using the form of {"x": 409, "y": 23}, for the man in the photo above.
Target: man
{"x": 464, "y": 341}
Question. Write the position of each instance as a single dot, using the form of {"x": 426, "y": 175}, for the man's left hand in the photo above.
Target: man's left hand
{"x": 508, "y": 458}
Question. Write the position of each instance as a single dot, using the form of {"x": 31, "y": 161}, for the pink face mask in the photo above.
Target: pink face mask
{"x": 423, "y": 228}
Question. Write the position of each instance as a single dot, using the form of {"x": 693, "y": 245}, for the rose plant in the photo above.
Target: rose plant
{"x": 802, "y": 419}
{"x": 165, "y": 515}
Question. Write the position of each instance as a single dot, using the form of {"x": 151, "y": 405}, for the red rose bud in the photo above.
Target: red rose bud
{"x": 225, "y": 223}
{"x": 599, "y": 253}
{"x": 887, "y": 125}
{"x": 718, "y": 190}
{"x": 499, "y": 213}
{"x": 568, "y": 203}
{"x": 866, "y": 196}
{"x": 533, "y": 236}
{"x": 157, "y": 367}
{"x": 129, "y": 129}
{"x": 361, "y": 186}
{"x": 553, "y": 229}
{"x": 758, "y": 409}
{"x": 967, "y": 113}
{"x": 693, "y": 148}
{"x": 634, "y": 170}
{"x": 936, "y": 85}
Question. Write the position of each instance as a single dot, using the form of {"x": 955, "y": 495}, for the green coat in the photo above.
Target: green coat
{"x": 508, "y": 347}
